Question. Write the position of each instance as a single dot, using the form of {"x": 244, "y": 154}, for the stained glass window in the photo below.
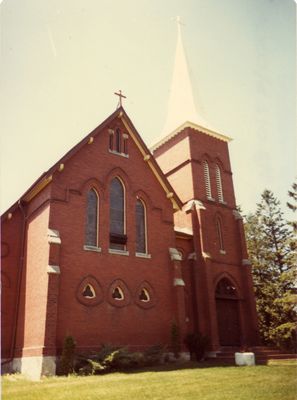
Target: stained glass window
{"x": 140, "y": 227}
{"x": 92, "y": 219}
{"x": 117, "y": 215}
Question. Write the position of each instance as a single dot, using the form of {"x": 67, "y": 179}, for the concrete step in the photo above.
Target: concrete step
{"x": 280, "y": 356}
{"x": 262, "y": 355}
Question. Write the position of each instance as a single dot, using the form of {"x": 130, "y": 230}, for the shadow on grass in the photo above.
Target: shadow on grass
{"x": 175, "y": 366}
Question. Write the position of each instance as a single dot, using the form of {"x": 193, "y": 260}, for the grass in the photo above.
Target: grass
{"x": 270, "y": 382}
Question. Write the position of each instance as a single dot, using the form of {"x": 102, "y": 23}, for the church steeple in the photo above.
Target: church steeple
{"x": 181, "y": 106}
{"x": 182, "y": 111}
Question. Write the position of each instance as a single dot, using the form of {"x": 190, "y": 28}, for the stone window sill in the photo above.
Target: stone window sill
{"x": 92, "y": 248}
{"x": 118, "y": 252}
{"x": 119, "y": 154}
{"x": 143, "y": 255}
{"x": 223, "y": 202}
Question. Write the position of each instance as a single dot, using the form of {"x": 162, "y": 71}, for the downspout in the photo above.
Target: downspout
{"x": 19, "y": 283}
{"x": 191, "y": 208}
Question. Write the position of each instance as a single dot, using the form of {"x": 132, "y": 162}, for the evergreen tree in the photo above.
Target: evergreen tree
{"x": 67, "y": 358}
{"x": 293, "y": 206}
{"x": 273, "y": 256}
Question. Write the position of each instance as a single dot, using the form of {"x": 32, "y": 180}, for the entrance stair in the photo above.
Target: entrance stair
{"x": 263, "y": 354}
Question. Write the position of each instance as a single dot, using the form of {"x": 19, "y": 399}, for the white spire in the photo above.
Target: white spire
{"x": 181, "y": 105}
{"x": 182, "y": 112}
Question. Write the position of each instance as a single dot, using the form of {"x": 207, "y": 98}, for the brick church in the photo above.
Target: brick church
{"x": 116, "y": 242}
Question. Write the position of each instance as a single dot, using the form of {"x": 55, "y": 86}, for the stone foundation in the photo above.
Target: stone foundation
{"x": 32, "y": 367}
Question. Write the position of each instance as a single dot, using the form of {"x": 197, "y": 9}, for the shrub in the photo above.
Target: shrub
{"x": 153, "y": 355}
{"x": 197, "y": 345}
{"x": 67, "y": 358}
{"x": 111, "y": 358}
{"x": 284, "y": 336}
{"x": 87, "y": 366}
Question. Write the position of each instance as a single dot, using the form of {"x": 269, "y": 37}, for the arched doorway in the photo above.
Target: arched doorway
{"x": 227, "y": 313}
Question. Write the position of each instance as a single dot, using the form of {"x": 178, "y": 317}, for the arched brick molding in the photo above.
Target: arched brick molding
{"x": 124, "y": 291}
{"x": 83, "y": 293}
{"x": 145, "y": 290}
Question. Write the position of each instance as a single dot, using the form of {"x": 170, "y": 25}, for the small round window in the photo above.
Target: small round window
{"x": 118, "y": 294}
{"x": 89, "y": 292}
{"x": 144, "y": 295}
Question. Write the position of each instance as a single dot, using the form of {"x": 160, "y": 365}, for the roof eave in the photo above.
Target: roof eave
{"x": 197, "y": 127}
{"x": 47, "y": 176}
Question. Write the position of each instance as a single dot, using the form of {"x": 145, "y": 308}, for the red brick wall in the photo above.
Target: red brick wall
{"x": 188, "y": 180}
{"x": 35, "y": 282}
{"x": 51, "y": 306}
{"x": 94, "y": 166}
{"x": 11, "y": 243}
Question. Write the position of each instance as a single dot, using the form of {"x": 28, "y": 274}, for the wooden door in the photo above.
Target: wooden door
{"x": 228, "y": 322}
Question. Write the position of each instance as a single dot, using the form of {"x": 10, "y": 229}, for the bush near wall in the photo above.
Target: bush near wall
{"x": 112, "y": 358}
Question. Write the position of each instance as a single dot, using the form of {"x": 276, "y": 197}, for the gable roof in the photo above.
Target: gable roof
{"x": 47, "y": 176}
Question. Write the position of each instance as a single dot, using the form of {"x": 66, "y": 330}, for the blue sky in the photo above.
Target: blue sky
{"x": 62, "y": 61}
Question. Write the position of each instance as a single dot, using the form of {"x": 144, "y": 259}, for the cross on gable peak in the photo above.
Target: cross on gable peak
{"x": 120, "y": 98}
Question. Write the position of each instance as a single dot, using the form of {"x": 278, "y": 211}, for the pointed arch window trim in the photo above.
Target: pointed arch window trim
{"x": 225, "y": 288}
{"x": 91, "y": 243}
{"x": 118, "y": 142}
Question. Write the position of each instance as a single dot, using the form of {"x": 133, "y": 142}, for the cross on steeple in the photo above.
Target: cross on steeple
{"x": 120, "y": 98}
{"x": 178, "y": 20}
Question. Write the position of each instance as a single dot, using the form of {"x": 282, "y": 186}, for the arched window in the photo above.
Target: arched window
{"x": 220, "y": 234}
{"x": 125, "y": 144}
{"x": 207, "y": 180}
{"x": 118, "y": 141}
{"x": 118, "y": 238}
{"x": 225, "y": 288}
{"x": 219, "y": 184}
{"x": 141, "y": 246}
{"x": 91, "y": 235}
{"x": 118, "y": 294}
{"x": 144, "y": 295}
{"x": 89, "y": 292}
{"x": 111, "y": 139}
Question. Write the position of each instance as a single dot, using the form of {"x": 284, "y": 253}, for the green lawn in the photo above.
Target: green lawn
{"x": 276, "y": 381}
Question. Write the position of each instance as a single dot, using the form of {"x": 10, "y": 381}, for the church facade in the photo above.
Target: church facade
{"x": 116, "y": 243}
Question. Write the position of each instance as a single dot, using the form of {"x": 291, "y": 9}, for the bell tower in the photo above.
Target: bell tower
{"x": 195, "y": 158}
